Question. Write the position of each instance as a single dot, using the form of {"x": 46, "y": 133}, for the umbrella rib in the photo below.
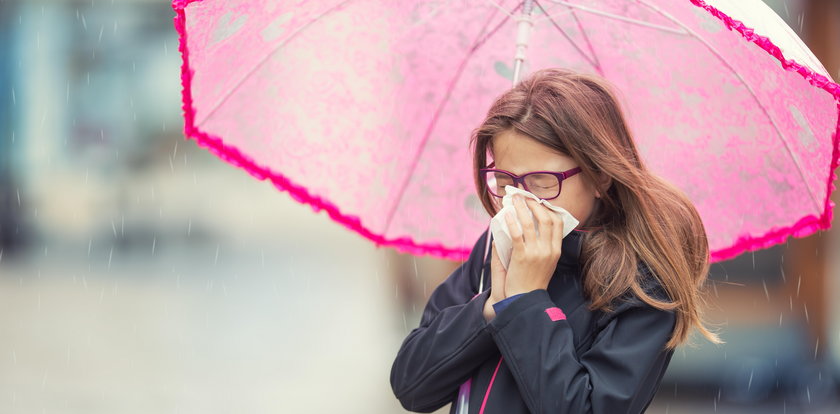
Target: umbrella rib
{"x": 750, "y": 90}
{"x": 618, "y": 17}
{"x": 482, "y": 38}
{"x": 593, "y": 60}
{"x": 224, "y": 98}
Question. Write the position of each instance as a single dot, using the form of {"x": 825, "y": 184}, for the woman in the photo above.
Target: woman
{"x": 582, "y": 324}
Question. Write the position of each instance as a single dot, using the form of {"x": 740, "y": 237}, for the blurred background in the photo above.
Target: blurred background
{"x": 140, "y": 273}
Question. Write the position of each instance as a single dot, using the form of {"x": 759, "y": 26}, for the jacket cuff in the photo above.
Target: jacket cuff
{"x": 498, "y": 306}
{"x": 477, "y": 303}
{"x": 534, "y": 302}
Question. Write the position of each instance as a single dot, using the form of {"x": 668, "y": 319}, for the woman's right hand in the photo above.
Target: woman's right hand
{"x": 498, "y": 275}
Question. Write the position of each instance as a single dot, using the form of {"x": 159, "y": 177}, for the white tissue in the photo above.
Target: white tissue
{"x": 499, "y": 228}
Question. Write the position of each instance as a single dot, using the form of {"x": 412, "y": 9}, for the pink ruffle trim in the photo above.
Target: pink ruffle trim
{"x": 809, "y": 224}
{"x": 802, "y": 228}
{"x": 299, "y": 193}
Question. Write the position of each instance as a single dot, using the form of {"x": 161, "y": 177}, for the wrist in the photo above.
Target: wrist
{"x": 522, "y": 290}
{"x": 488, "y": 311}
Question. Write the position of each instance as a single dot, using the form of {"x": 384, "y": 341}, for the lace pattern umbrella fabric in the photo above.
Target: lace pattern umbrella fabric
{"x": 364, "y": 108}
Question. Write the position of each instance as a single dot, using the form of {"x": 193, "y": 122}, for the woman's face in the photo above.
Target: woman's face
{"x": 522, "y": 154}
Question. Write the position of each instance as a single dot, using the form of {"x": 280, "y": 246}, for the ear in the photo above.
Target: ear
{"x": 605, "y": 182}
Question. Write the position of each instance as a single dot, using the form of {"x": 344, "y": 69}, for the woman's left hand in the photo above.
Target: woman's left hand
{"x": 534, "y": 258}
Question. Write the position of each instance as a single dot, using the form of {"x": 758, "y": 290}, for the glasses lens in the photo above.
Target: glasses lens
{"x": 496, "y": 182}
{"x": 543, "y": 185}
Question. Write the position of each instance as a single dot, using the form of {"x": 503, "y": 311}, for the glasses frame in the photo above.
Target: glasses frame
{"x": 521, "y": 179}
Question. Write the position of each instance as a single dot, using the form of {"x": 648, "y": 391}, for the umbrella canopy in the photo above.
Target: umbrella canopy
{"x": 365, "y": 108}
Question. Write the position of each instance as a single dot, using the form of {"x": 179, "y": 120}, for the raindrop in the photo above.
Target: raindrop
{"x": 766, "y": 293}
{"x": 154, "y": 241}
{"x": 14, "y": 99}
{"x": 798, "y": 285}
{"x": 90, "y": 242}
{"x": 101, "y": 30}
{"x": 189, "y": 226}
{"x": 816, "y": 347}
{"x": 216, "y": 260}
{"x": 114, "y": 227}
{"x": 67, "y": 94}
{"x": 115, "y": 27}
{"x": 110, "y": 255}
{"x": 805, "y": 306}
{"x": 84, "y": 22}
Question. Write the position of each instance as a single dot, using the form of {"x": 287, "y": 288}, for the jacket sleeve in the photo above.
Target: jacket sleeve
{"x": 620, "y": 373}
{"x": 450, "y": 343}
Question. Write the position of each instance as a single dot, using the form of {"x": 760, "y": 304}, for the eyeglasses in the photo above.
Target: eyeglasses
{"x": 543, "y": 184}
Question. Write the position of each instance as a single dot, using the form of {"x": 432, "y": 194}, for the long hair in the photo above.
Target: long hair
{"x": 639, "y": 216}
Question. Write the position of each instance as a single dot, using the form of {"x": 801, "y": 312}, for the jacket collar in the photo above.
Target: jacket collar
{"x": 572, "y": 244}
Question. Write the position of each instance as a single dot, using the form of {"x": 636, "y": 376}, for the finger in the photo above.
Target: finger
{"x": 543, "y": 218}
{"x": 522, "y": 213}
{"x": 557, "y": 234}
{"x": 514, "y": 228}
{"x": 497, "y": 271}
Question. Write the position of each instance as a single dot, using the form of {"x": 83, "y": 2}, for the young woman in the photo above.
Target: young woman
{"x": 582, "y": 324}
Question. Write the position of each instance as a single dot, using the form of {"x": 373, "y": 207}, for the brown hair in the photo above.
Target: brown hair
{"x": 639, "y": 217}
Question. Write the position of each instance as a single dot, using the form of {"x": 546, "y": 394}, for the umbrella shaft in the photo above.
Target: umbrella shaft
{"x": 523, "y": 30}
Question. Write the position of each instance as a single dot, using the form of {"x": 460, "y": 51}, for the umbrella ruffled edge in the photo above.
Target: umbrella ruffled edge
{"x": 233, "y": 156}
{"x": 802, "y": 228}
{"x": 808, "y": 224}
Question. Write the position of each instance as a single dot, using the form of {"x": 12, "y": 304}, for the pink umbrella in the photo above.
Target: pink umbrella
{"x": 364, "y": 108}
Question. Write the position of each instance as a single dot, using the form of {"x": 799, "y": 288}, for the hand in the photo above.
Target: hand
{"x": 534, "y": 258}
{"x": 497, "y": 284}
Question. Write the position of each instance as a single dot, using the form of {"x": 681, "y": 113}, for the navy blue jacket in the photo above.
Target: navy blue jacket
{"x": 545, "y": 352}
